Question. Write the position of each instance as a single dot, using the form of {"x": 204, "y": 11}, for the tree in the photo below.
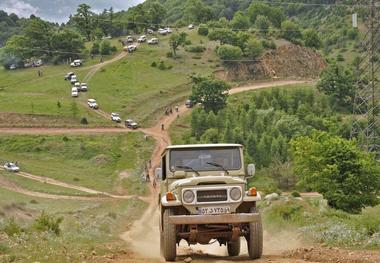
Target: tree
{"x": 175, "y": 41}
{"x": 211, "y": 93}
{"x": 105, "y": 47}
{"x": 240, "y": 21}
{"x": 95, "y": 49}
{"x": 224, "y": 35}
{"x": 68, "y": 42}
{"x": 290, "y": 30}
{"x": 15, "y": 51}
{"x": 228, "y": 52}
{"x": 262, "y": 23}
{"x": 253, "y": 49}
{"x": 346, "y": 176}
{"x": 338, "y": 82}
{"x": 83, "y": 20}
{"x": 156, "y": 12}
{"x": 203, "y": 30}
{"x": 274, "y": 14}
{"x": 311, "y": 38}
{"x": 197, "y": 12}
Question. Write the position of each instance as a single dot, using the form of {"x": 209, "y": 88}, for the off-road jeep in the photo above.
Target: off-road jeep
{"x": 204, "y": 197}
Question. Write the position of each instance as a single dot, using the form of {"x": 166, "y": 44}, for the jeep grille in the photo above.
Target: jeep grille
{"x": 212, "y": 196}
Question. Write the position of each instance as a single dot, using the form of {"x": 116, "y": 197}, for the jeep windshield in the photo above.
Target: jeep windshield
{"x": 204, "y": 159}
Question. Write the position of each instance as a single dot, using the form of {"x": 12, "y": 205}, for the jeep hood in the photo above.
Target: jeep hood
{"x": 204, "y": 180}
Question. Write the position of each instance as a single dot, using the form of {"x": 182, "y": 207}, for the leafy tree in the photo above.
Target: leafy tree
{"x": 156, "y": 12}
{"x": 274, "y": 14}
{"x": 197, "y": 12}
{"x": 338, "y": 82}
{"x": 228, "y": 136}
{"x": 253, "y": 49}
{"x": 175, "y": 41}
{"x": 228, "y": 52}
{"x": 290, "y": 30}
{"x": 211, "y": 93}
{"x": 240, "y": 21}
{"x": 311, "y": 38}
{"x": 68, "y": 42}
{"x": 210, "y": 136}
{"x": 225, "y": 36}
{"x": 15, "y": 51}
{"x": 84, "y": 20}
{"x": 262, "y": 23}
{"x": 346, "y": 176}
{"x": 203, "y": 30}
{"x": 95, "y": 49}
{"x": 105, "y": 47}
{"x": 38, "y": 33}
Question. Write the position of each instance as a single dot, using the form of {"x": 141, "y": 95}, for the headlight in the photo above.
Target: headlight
{"x": 235, "y": 193}
{"x": 188, "y": 196}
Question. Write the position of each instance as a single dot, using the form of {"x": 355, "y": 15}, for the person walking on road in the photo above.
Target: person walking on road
{"x": 177, "y": 108}
{"x": 162, "y": 127}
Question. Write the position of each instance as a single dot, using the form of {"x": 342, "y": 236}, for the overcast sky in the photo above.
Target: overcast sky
{"x": 59, "y": 10}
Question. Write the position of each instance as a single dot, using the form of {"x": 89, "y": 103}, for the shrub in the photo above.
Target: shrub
{"x": 203, "y": 30}
{"x": 154, "y": 64}
{"x": 161, "y": 65}
{"x": 195, "y": 49}
{"x": 169, "y": 55}
{"x": 95, "y": 49}
{"x": 84, "y": 121}
{"x": 11, "y": 228}
{"x": 187, "y": 42}
{"x": 33, "y": 201}
{"x": 47, "y": 223}
{"x": 105, "y": 48}
{"x": 339, "y": 57}
{"x": 228, "y": 52}
{"x": 268, "y": 44}
{"x": 296, "y": 194}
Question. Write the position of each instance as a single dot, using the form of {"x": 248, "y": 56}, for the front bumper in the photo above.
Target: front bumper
{"x": 214, "y": 219}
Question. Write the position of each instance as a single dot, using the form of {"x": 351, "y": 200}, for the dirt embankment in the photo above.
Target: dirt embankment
{"x": 287, "y": 61}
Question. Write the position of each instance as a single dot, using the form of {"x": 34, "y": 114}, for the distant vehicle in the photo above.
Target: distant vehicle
{"x": 11, "y": 167}
{"x": 77, "y": 85}
{"x": 130, "y": 39}
{"x": 12, "y": 67}
{"x": 141, "y": 39}
{"x": 106, "y": 37}
{"x": 130, "y": 48}
{"x": 38, "y": 63}
{"x": 131, "y": 124}
{"x": 76, "y": 63}
{"x": 92, "y": 104}
{"x": 153, "y": 41}
{"x": 191, "y": 26}
{"x": 162, "y": 31}
{"x": 115, "y": 117}
{"x": 83, "y": 87}
{"x": 69, "y": 75}
{"x": 73, "y": 79}
{"x": 150, "y": 31}
{"x": 168, "y": 30}
{"x": 74, "y": 92}
{"x": 189, "y": 104}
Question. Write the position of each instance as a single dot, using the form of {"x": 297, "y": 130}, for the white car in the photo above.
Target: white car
{"x": 153, "y": 41}
{"x": 191, "y": 26}
{"x": 73, "y": 79}
{"x": 149, "y": 31}
{"x": 115, "y": 117}
{"x": 130, "y": 48}
{"x": 92, "y": 104}
{"x": 162, "y": 31}
{"x": 141, "y": 39}
{"x": 130, "y": 39}
{"x": 77, "y": 85}
{"x": 76, "y": 63}
{"x": 83, "y": 87}
{"x": 69, "y": 75}
{"x": 74, "y": 92}
{"x": 11, "y": 167}
{"x": 168, "y": 30}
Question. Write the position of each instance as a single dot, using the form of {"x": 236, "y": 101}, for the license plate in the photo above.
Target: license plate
{"x": 214, "y": 210}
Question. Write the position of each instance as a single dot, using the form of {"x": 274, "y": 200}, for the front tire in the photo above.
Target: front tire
{"x": 255, "y": 238}
{"x": 168, "y": 238}
{"x": 233, "y": 248}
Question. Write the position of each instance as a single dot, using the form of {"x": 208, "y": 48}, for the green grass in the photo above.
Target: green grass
{"x": 93, "y": 161}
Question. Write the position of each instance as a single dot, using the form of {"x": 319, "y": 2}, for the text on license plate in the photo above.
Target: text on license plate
{"x": 213, "y": 210}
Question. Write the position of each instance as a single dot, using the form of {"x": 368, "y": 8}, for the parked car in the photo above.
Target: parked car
{"x": 11, "y": 167}
{"x": 115, "y": 117}
{"x": 77, "y": 85}
{"x": 74, "y": 92}
{"x": 141, "y": 39}
{"x": 131, "y": 124}
{"x": 130, "y": 39}
{"x": 69, "y": 75}
{"x": 191, "y": 26}
{"x": 153, "y": 41}
{"x": 162, "y": 31}
{"x": 76, "y": 63}
{"x": 130, "y": 48}
{"x": 189, "y": 104}
{"x": 168, "y": 30}
{"x": 92, "y": 104}
{"x": 73, "y": 79}
{"x": 150, "y": 31}
{"x": 12, "y": 66}
{"x": 83, "y": 87}
{"x": 106, "y": 37}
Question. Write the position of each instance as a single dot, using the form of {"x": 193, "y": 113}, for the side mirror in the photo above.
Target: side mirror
{"x": 158, "y": 173}
{"x": 251, "y": 169}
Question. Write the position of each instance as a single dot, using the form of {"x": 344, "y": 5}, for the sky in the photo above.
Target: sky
{"x": 59, "y": 10}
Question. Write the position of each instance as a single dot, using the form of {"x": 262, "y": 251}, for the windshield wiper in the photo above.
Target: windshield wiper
{"x": 187, "y": 167}
{"x": 219, "y": 165}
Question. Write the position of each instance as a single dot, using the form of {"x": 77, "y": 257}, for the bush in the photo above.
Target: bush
{"x": 84, "y": 121}
{"x": 340, "y": 57}
{"x": 195, "y": 49}
{"x": 268, "y": 44}
{"x": 295, "y": 194}
{"x": 228, "y": 52}
{"x": 11, "y": 228}
{"x": 187, "y": 42}
{"x": 154, "y": 64}
{"x": 95, "y": 49}
{"x": 203, "y": 30}
{"x": 161, "y": 65}
{"x": 105, "y": 48}
{"x": 169, "y": 55}
{"x": 47, "y": 223}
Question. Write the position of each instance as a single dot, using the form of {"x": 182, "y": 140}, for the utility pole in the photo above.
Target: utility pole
{"x": 366, "y": 104}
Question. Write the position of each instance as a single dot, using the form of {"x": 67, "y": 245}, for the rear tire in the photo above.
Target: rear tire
{"x": 233, "y": 248}
{"x": 255, "y": 238}
{"x": 168, "y": 238}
